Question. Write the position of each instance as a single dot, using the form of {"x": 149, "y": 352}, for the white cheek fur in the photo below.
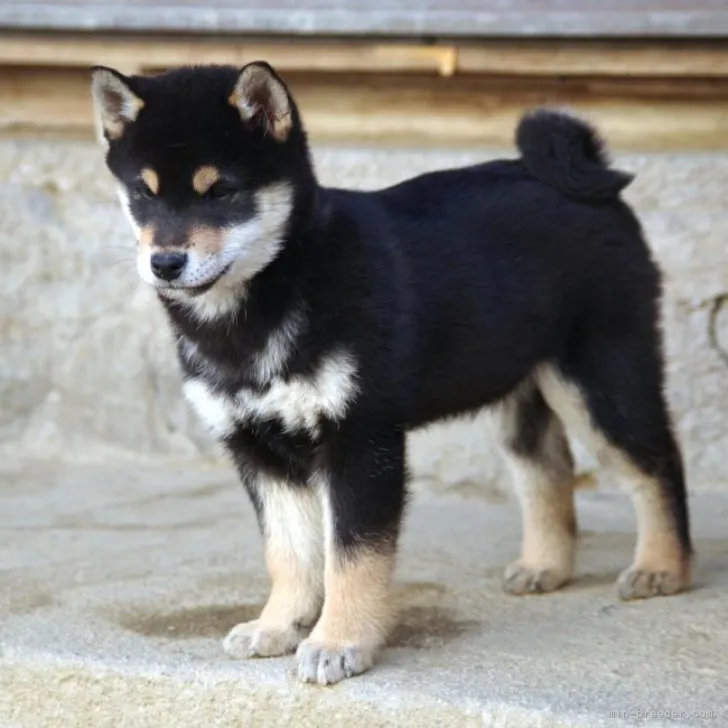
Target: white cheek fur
{"x": 126, "y": 208}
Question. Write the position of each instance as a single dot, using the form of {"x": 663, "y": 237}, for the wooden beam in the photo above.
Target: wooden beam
{"x": 149, "y": 53}
{"x": 134, "y": 53}
{"x": 412, "y": 109}
{"x": 593, "y": 58}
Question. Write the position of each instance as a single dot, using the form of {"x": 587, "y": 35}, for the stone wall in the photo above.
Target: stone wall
{"x": 87, "y": 372}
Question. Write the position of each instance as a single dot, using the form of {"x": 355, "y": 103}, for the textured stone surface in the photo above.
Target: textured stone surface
{"x": 86, "y": 368}
{"x": 118, "y": 583}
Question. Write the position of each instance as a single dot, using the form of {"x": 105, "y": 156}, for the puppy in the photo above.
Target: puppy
{"x": 316, "y": 327}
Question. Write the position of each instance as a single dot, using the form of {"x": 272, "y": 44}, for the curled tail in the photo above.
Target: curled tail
{"x": 567, "y": 153}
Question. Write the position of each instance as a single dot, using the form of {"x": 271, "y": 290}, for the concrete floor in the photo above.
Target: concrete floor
{"x": 119, "y": 581}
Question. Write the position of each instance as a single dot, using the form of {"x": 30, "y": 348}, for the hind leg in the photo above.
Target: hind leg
{"x": 542, "y": 470}
{"x": 612, "y": 396}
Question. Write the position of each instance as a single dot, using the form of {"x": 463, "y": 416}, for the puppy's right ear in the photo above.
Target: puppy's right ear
{"x": 115, "y": 104}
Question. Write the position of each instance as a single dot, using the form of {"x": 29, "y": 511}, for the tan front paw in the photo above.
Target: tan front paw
{"x": 252, "y": 639}
{"x": 520, "y": 578}
{"x": 327, "y": 664}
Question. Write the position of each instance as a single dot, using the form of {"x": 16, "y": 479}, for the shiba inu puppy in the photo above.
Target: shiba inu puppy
{"x": 317, "y": 326}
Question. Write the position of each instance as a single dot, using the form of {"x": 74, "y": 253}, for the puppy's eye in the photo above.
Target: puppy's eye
{"x": 140, "y": 191}
{"x": 223, "y": 191}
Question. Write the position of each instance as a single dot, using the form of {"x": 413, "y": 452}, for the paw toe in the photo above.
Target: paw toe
{"x": 329, "y": 664}
{"x": 521, "y": 579}
{"x": 251, "y": 640}
{"x": 637, "y": 583}
{"x": 237, "y": 641}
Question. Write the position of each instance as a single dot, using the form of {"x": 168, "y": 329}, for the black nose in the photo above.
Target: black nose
{"x": 168, "y": 266}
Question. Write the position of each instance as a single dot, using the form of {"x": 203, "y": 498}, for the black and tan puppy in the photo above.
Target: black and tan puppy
{"x": 317, "y": 326}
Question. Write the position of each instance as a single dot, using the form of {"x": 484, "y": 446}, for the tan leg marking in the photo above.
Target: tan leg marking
{"x": 660, "y": 566}
{"x": 294, "y": 557}
{"x": 356, "y": 617}
{"x": 549, "y": 532}
{"x": 357, "y": 607}
{"x": 545, "y": 488}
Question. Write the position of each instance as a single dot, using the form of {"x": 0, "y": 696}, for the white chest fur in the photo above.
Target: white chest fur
{"x": 299, "y": 402}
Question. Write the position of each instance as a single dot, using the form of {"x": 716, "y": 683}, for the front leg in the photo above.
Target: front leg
{"x": 292, "y": 525}
{"x": 363, "y": 499}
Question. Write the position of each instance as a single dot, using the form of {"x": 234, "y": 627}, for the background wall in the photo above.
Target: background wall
{"x": 87, "y": 370}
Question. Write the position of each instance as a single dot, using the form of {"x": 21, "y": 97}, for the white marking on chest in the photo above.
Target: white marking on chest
{"x": 298, "y": 403}
{"x": 213, "y": 409}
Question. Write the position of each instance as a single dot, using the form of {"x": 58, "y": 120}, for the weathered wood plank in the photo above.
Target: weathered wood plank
{"x": 135, "y": 52}
{"x": 649, "y": 59}
{"x": 418, "y": 18}
{"x": 409, "y": 110}
{"x": 583, "y": 58}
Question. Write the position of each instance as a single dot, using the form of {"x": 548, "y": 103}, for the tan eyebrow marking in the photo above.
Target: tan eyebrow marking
{"x": 204, "y": 178}
{"x": 150, "y": 179}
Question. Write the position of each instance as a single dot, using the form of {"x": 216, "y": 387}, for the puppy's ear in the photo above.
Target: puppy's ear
{"x": 115, "y": 104}
{"x": 263, "y": 101}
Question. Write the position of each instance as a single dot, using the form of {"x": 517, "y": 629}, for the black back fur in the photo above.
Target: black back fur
{"x": 448, "y": 290}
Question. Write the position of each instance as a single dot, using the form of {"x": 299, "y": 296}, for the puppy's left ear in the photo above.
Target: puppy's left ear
{"x": 115, "y": 104}
{"x": 262, "y": 100}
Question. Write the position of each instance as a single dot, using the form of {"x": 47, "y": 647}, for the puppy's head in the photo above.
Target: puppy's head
{"x": 207, "y": 161}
